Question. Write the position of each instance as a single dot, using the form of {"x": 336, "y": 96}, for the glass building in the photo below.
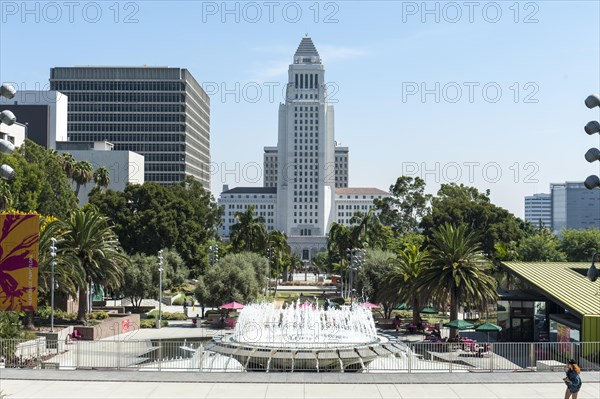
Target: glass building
{"x": 159, "y": 112}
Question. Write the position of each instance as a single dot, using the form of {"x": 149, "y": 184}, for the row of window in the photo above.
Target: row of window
{"x": 126, "y": 117}
{"x": 306, "y": 206}
{"x": 355, "y": 206}
{"x": 305, "y": 232}
{"x": 305, "y": 221}
{"x": 307, "y": 214}
{"x": 306, "y": 81}
{"x": 117, "y": 85}
{"x": 137, "y": 127}
{"x": 307, "y": 121}
{"x": 306, "y": 109}
{"x": 306, "y": 128}
{"x": 126, "y": 107}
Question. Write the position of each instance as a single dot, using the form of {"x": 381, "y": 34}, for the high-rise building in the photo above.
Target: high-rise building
{"x": 306, "y": 175}
{"x": 538, "y": 209}
{"x": 161, "y": 113}
{"x": 306, "y": 163}
{"x": 574, "y": 206}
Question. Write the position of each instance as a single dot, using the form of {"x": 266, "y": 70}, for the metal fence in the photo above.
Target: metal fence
{"x": 196, "y": 355}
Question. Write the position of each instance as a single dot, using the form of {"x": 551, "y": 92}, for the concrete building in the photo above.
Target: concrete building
{"x": 161, "y": 113}
{"x": 574, "y": 206}
{"x": 43, "y": 112}
{"x": 349, "y": 201}
{"x": 341, "y": 167}
{"x": 264, "y": 200}
{"x": 123, "y": 166}
{"x": 307, "y": 173}
{"x": 538, "y": 209}
{"x": 14, "y": 133}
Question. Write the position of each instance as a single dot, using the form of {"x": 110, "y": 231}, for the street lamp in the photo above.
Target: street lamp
{"x": 270, "y": 256}
{"x": 593, "y": 154}
{"x": 8, "y": 118}
{"x": 160, "y": 271}
{"x": 356, "y": 257}
{"x": 593, "y": 272}
{"x": 52, "y": 264}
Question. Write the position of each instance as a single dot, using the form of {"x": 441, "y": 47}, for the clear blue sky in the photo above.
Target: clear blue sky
{"x": 543, "y": 56}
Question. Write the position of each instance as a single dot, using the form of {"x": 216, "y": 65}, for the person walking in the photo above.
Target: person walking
{"x": 573, "y": 380}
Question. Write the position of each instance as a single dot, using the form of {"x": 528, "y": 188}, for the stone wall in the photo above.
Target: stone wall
{"x": 115, "y": 324}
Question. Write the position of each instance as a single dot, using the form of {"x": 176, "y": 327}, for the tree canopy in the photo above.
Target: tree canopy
{"x": 459, "y": 204}
{"x": 40, "y": 183}
{"x": 150, "y": 217}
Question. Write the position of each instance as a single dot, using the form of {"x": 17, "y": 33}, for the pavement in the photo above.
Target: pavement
{"x": 17, "y": 383}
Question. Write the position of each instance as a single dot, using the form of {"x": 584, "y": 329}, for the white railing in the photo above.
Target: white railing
{"x": 191, "y": 355}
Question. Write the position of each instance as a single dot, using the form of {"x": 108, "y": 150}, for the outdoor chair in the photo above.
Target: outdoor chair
{"x": 75, "y": 336}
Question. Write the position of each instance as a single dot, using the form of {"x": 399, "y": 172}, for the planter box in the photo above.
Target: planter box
{"x": 116, "y": 324}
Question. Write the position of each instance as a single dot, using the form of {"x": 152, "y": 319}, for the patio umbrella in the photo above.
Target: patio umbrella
{"x": 429, "y": 310}
{"x": 488, "y": 327}
{"x": 459, "y": 324}
{"x": 232, "y": 306}
{"x": 369, "y": 305}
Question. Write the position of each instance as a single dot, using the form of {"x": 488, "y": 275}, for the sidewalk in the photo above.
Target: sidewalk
{"x": 107, "y": 384}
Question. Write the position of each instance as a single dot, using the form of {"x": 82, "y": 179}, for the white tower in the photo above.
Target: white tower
{"x": 306, "y": 163}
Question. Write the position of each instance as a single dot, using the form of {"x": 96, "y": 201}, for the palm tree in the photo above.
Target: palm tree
{"x": 249, "y": 232}
{"x": 366, "y": 229}
{"x": 278, "y": 241}
{"x": 458, "y": 270}
{"x": 66, "y": 162}
{"x": 82, "y": 174}
{"x": 87, "y": 242}
{"x": 339, "y": 240}
{"x": 402, "y": 283}
{"x": 102, "y": 177}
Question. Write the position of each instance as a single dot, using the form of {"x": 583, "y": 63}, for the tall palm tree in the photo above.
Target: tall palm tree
{"x": 249, "y": 233}
{"x": 402, "y": 283}
{"x": 102, "y": 177}
{"x": 66, "y": 162}
{"x": 82, "y": 174}
{"x": 339, "y": 240}
{"x": 457, "y": 270}
{"x": 278, "y": 241}
{"x": 366, "y": 229}
{"x": 86, "y": 241}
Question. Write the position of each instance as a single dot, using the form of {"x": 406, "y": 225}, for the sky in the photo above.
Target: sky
{"x": 487, "y": 94}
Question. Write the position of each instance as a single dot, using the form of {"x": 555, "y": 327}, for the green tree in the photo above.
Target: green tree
{"x": 459, "y": 204}
{"x": 541, "y": 247}
{"x": 372, "y": 276}
{"x": 368, "y": 230}
{"x": 82, "y": 174}
{"x": 281, "y": 253}
{"x": 40, "y": 183}
{"x": 406, "y": 206}
{"x": 580, "y": 245}
{"x": 249, "y": 232}
{"x": 457, "y": 270}
{"x": 5, "y": 196}
{"x": 339, "y": 241}
{"x": 149, "y": 217}
{"x": 401, "y": 283}
{"x": 102, "y": 177}
{"x": 138, "y": 279}
{"x": 87, "y": 241}
{"x": 67, "y": 163}
{"x": 236, "y": 277}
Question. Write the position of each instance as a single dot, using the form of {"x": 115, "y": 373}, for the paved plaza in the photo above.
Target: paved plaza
{"x": 135, "y": 384}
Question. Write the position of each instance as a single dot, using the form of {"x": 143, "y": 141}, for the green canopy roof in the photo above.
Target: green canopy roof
{"x": 489, "y": 327}
{"x": 460, "y": 324}
{"x": 563, "y": 282}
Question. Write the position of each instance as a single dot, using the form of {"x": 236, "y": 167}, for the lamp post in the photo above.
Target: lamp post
{"x": 52, "y": 264}
{"x": 8, "y": 118}
{"x": 214, "y": 254}
{"x": 593, "y": 272}
{"x": 160, "y": 271}
{"x": 270, "y": 257}
{"x": 356, "y": 257}
{"x": 593, "y": 154}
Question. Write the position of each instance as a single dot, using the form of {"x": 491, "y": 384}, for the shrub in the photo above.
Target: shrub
{"x": 178, "y": 301}
{"x": 152, "y": 323}
{"x": 99, "y": 315}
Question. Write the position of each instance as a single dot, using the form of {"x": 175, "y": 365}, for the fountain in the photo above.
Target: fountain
{"x": 304, "y": 337}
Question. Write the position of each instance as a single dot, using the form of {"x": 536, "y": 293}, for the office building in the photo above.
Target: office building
{"x": 306, "y": 175}
{"x": 44, "y": 113}
{"x": 538, "y": 210}
{"x": 574, "y": 206}
{"x": 161, "y": 113}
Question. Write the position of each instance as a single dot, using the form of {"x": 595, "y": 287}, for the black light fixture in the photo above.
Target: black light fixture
{"x": 593, "y": 273}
